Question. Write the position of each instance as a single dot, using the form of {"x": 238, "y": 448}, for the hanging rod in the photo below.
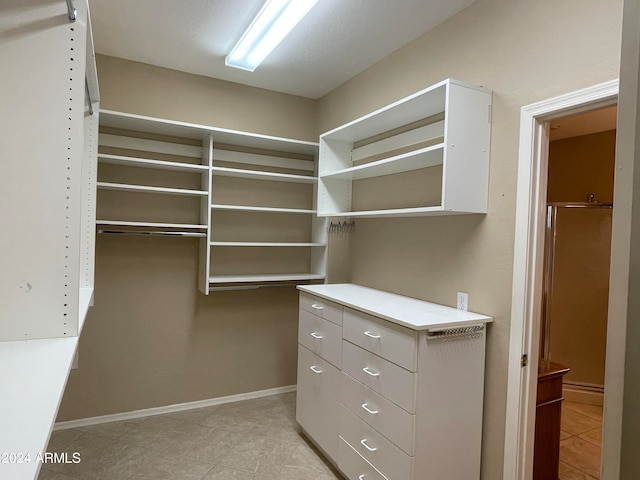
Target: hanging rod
{"x": 73, "y": 13}
{"x": 152, "y": 233}
{"x": 86, "y": 89}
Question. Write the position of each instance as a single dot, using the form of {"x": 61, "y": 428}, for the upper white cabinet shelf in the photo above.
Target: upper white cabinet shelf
{"x": 426, "y": 154}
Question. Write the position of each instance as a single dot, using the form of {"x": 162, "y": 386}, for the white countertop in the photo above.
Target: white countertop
{"x": 405, "y": 311}
{"x": 34, "y": 376}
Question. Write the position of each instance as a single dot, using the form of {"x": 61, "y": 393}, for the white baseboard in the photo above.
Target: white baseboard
{"x": 590, "y": 396}
{"x": 148, "y": 412}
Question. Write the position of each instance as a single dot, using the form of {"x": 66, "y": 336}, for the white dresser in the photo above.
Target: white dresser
{"x": 390, "y": 387}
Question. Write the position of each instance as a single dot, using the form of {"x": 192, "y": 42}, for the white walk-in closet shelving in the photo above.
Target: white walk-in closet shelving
{"x": 249, "y": 197}
{"x": 426, "y": 154}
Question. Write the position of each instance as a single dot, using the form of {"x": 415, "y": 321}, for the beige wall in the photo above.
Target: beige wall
{"x": 132, "y": 87}
{"x": 524, "y": 52}
{"x": 580, "y": 166}
{"x": 152, "y": 338}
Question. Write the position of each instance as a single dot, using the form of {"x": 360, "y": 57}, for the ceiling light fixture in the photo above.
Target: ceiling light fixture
{"x": 274, "y": 21}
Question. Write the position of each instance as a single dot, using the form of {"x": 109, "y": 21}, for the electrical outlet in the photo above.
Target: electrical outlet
{"x": 463, "y": 300}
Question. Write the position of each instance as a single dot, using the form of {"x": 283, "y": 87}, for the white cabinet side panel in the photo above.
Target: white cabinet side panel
{"x": 465, "y": 182}
{"x": 205, "y": 217}
{"x": 42, "y": 96}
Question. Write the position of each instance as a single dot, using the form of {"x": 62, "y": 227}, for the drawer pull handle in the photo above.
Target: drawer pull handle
{"x": 364, "y": 444}
{"x": 316, "y": 335}
{"x": 315, "y": 369}
{"x": 366, "y": 407}
{"x": 369, "y": 372}
{"x": 361, "y": 477}
{"x": 316, "y": 306}
{"x": 372, "y": 335}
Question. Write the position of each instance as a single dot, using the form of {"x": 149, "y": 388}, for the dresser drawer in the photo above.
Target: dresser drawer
{"x": 394, "y": 342}
{"x": 388, "y": 459}
{"x": 388, "y": 379}
{"x": 354, "y": 466}
{"x": 386, "y": 417}
{"x": 317, "y": 404}
{"x": 321, "y": 337}
{"x": 322, "y": 308}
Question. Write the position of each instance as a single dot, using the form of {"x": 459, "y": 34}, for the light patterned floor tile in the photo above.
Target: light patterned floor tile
{"x": 306, "y": 456}
{"x": 581, "y": 455}
{"x": 593, "y": 411}
{"x": 576, "y": 423}
{"x": 51, "y": 475}
{"x": 103, "y": 459}
{"x": 224, "y": 473}
{"x": 61, "y": 438}
{"x": 593, "y": 436}
{"x": 255, "y": 439}
{"x": 567, "y": 472}
{"x": 167, "y": 468}
{"x": 260, "y": 455}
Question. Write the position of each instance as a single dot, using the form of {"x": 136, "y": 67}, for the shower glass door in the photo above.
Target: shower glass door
{"x": 576, "y": 292}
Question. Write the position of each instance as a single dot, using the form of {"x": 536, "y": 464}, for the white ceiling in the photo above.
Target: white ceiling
{"x": 337, "y": 40}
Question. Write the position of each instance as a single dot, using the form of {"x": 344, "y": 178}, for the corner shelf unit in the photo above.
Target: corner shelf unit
{"x": 428, "y": 153}
{"x": 250, "y": 198}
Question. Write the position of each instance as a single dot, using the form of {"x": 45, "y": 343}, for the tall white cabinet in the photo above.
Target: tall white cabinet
{"x": 390, "y": 387}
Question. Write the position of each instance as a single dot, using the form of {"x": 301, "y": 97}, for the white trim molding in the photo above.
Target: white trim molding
{"x": 528, "y": 267}
{"x": 180, "y": 407}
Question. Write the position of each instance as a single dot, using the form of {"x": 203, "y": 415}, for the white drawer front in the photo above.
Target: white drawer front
{"x": 322, "y": 308}
{"x": 317, "y": 409}
{"x": 392, "y": 462}
{"x": 321, "y": 337}
{"x": 386, "y": 378}
{"x": 354, "y": 466}
{"x": 394, "y": 342}
{"x": 386, "y": 417}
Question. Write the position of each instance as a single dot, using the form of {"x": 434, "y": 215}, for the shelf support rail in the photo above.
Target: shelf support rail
{"x": 73, "y": 13}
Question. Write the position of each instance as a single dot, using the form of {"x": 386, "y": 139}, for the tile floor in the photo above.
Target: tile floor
{"x": 249, "y": 440}
{"x": 252, "y": 440}
{"x": 580, "y": 441}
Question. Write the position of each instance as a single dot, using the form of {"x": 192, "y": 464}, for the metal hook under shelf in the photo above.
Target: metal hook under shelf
{"x": 341, "y": 227}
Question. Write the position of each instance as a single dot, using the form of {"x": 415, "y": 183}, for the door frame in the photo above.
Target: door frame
{"x": 526, "y": 301}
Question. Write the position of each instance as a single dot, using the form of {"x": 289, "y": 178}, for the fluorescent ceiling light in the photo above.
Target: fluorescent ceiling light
{"x": 274, "y": 21}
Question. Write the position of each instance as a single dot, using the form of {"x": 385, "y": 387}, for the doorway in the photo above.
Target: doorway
{"x": 577, "y": 257}
{"x": 526, "y": 309}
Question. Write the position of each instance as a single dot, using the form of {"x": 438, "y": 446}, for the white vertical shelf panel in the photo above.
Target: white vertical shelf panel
{"x": 42, "y": 97}
{"x": 465, "y": 183}
{"x": 204, "y": 260}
